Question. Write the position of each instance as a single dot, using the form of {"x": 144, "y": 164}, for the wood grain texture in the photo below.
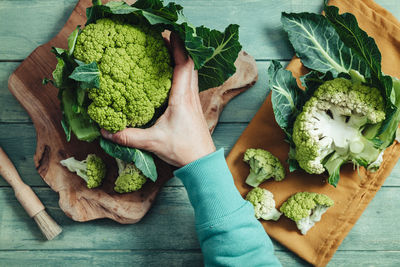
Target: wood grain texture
{"x": 42, "y": 105}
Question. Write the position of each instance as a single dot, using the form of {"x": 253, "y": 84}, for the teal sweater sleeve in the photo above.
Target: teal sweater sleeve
{"x": 228, "y": 232}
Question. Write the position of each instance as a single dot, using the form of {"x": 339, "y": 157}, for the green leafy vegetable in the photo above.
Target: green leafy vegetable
{"x": 286, "y": 96}
{"x": 318, "y": 45}
{"x": 90, "y": 89}
{"x": 72, "y": 40}
{"x": 349, "y": 111}
{"x": 144, "y": 162}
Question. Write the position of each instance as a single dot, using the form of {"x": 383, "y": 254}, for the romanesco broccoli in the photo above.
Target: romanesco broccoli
{"x": 135, "y": 72}
{"x": 129, "y": 178}
{"x": 306, "y": 209}
{"x": 332, "y": 127}
{"x": 263, "y": 166}
{"x": 92, "y": 169}
{"x": 264, "y": 204}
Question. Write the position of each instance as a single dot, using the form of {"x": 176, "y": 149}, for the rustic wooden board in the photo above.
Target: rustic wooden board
{"x": 42, "y": 105}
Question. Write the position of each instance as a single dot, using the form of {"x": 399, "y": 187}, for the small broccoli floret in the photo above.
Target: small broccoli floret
{"x": 264, "y": 204}
{"x": 331, "y": 129}
{"x": 130, "y": 178}
{"x": 263, "y": 166}
{"x": 92, "y": 169}
{"x": 135, "y": 72}
{"x": 306, "y": 209}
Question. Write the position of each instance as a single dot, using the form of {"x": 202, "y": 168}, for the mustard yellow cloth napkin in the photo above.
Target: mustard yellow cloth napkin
{"x": 355, "y": 190}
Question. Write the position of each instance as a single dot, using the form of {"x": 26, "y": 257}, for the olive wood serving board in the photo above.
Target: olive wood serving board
{"x": 41, "y": 103}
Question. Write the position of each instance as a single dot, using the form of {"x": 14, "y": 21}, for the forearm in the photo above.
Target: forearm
{"x": 228, "y": 232}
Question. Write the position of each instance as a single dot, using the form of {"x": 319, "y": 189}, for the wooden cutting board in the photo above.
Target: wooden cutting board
{"x": 42, "y": 105}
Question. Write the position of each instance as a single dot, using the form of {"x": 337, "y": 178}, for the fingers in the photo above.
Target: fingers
{"x": 178, "y": 49}
{"x": 133, "y": 137}
{"x": 183, "y": 79}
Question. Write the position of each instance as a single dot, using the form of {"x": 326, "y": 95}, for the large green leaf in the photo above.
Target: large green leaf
{"x": 218, "y": 67}
{"x": 143, "y": 160}
{"x": 287, "y": 97}
{"x": 65, "y": 66}
{"x": 389, "y": 134}
{"x": 124, "y": 153}
{"x": 365, "y": 47}
{"x": 318, "y": 45}
{"x": 355, "y": 38}
{"x": 88, "y": 73}
{"x": 72, "y": 38}
{"x": 79, "y": 122}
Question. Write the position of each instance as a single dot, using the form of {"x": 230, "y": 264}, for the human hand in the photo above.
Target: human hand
{"x": 181, "y": 134}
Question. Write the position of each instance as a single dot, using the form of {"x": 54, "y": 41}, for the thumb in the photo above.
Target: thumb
{"x": 132, "y": 137}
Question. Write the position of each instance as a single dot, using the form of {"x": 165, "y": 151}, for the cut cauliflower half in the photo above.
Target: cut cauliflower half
{"x": 332, "y": 128}
{"x": 264, "y": 204}
{"x": 306, "y": 208}
{"x": 135, "y": 72}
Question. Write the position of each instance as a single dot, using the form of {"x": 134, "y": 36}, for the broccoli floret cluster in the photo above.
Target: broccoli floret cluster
{"x": 135, "y": 72}
{"x": 264, "y": 204}
{"x": 306, "y": 209}
{"x": 263, "y": 166}
{"x": 330, "y": 129}
{"x": 130, "y": 178}
{"x": 92, "y": 169}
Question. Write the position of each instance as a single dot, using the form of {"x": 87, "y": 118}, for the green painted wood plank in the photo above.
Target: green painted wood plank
{"x": 10, "y": 109}
{"x": 24, "y": 25}
{"x": 260, "y": 33}
{"x": 176, "y": 258}
{"x": 19, "y": 141}
{"x": 101, "y": 258}
{"x": 170, "y": 226}
{"x": 244, "y": 106}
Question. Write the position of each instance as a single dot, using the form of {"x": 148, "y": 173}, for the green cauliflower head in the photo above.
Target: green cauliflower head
{"x": 306, "y": 208}
{"x": 264, "y": 204}
{"x": 331, "y": 128}
{"x": 130, "y": 178}
{"x": 135, "y": 72}
{"x": 263, "y": 166}
{"x": 92, "y": 169}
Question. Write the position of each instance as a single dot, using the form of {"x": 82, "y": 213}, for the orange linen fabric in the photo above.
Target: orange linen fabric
{"x": 355, "y": 190}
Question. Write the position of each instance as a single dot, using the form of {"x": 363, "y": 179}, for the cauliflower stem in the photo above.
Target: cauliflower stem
{"x": 92, "y": 169}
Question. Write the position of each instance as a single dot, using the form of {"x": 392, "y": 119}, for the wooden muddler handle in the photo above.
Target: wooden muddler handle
{"x": 23, "y": 192}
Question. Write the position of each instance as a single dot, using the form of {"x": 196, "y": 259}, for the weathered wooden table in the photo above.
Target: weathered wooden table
{"x": 166, "y": 236}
